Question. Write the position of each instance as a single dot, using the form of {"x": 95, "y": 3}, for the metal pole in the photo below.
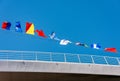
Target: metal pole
{"x": 65, "y": 57}
{"x": 79, "y": 58}
{"x": 92, "y": 59}
{"x": 118, "y": 61}
{"x": 105, "y": 59}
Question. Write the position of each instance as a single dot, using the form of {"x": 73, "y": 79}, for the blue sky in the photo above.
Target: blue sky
{"x": 86, "y": 21}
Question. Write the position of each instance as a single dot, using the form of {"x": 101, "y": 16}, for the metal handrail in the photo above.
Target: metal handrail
{"x": 47, "y": 56}
{"x": 16, "y": 51}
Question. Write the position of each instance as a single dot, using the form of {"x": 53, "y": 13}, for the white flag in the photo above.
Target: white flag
{"x": 64, "y": 42}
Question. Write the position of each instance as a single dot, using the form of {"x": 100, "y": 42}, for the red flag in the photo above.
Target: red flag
{"x": 40, "y": 33}
{"x": 111, "y": 50}
{"x": 4, "y": 25}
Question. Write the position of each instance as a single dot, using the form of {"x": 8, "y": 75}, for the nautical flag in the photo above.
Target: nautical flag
{"x": 52, "y": 35}
{"x": 18, "y": 27}
{"x": 6, "y": 25}
{"x": 64, "y": 42}
{"x": 111, "y": 50}
{"x": 81, "y": 44}
{"x": 95, "y": 46}
{"x": 29, "y": 28}
{"x": 40, "y": 33}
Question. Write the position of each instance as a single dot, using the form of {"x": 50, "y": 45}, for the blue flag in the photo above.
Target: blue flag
{"x": 18, "y": 27}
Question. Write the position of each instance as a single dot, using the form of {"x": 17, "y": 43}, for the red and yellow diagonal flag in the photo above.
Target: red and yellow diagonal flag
{"x": 29, "y": 28}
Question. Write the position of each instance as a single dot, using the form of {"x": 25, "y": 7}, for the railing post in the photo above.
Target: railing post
{"x": 79, "y": 58}
{"x": 118, "y": 61}
{"x": 92, "y": 59}
{"x": 105, "y": 60}
{"x": 64, "y": 57}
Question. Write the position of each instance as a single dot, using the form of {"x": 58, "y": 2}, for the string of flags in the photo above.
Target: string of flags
{"x": 30, "y": 29}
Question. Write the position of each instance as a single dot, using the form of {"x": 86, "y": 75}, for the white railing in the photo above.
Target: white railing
{"x": 8, "y": 55}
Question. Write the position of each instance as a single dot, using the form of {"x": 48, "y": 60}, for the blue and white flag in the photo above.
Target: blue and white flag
{"x": 52, "y": 35}
{"x": 18, "y": 27}
{"x": 95, "y": 46}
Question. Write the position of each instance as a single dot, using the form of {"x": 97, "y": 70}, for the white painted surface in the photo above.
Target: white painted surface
{"x": 57, "y": 67}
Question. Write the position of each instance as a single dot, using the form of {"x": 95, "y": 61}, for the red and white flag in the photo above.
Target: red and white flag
{"x": 64, "y": 42}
